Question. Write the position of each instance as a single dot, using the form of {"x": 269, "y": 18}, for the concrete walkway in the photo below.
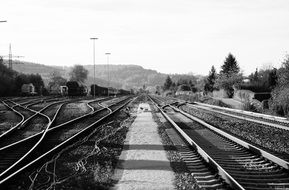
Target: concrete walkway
{"x": 143, "y": 163}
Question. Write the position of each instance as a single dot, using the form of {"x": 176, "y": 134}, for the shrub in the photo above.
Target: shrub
{"x": 280, "y": 101}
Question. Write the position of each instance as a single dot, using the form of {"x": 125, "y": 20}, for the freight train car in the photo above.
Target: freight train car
{"x": 76, "y": 88}
{"x": 112, "y": 91}
{"x": 104, "y": 91}
{"x": 123, "y": 92}
{"x": 98, "y": 90}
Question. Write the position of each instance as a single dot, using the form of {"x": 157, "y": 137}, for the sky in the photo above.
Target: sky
{"x": 170, "y": 36}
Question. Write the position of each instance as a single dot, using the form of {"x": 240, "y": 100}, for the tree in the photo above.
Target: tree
{"x": 173, "y": 87}
{"x": 37, "y": 81}
{"x": 280, "y": 98}
{"x": 229, "y": 75}
{"x": 7, "y": 80}
{"x": 192, "y": 86}
{"x": 182, "y": 81}
{"x": 272, "y": 78}
{"x": 230, "y": 65}
{"x": 19, "y": 81}
{"x": 158, "y": 90}
{"x": 184, "y": 87}
{"x": 78, "y": 73}
{"x": 210, "y": 80}
{"x": 168, "y": 83}
{"x": 283, "y": 73}
{"x": 254, "y": 76}
{"x": 228, "y": 81}
{"x": 56, "y": 79}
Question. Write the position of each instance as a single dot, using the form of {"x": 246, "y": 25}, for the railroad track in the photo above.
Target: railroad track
{"x": 240, "y": 164}
{"x": 270, "y": 120}
{"x": 28, "y": 116}
{"x": 26, "y": 102}
{"x": 38, "y": 123}
{"x": 273, "y": 121}
{"x": 53, "y": 139}
{"x": 272, "y": 139}
{"x": 39, "y": 105}
{"x": 49, "y": 112}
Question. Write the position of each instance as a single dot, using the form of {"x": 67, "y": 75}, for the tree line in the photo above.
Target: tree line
{"x": 12, "y": 81}
{"x": 230, "y": 77}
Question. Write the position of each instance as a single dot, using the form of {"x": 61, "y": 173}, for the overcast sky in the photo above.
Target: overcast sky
{"x": 171, "y": 36}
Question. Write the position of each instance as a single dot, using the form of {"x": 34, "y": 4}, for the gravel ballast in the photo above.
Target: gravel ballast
{"x": 269, "y": 138}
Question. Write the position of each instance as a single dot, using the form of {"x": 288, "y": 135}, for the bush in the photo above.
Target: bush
{"x": 244, "y": 95}
{"x": 253, "y": 106}
{"x": 280, "y": 101}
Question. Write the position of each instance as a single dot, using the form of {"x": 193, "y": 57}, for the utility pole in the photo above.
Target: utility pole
{"x": 10, "y": 56}
{"x": 1, "y": 57}
{"x": 93, "y": 65}
{"x": 107, "y": 54}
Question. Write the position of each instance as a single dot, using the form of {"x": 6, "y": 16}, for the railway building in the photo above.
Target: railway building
{"x": 28, "y": 89}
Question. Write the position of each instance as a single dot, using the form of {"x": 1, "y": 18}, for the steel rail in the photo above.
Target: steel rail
{"x": 227, "y": 177}
{"x": 282, "y": 119}
{"x": 24, "y": 121}
{"x": 33, "y": 147}
{"x": 18, "y": 113}
{"x": 2, "y": 181}
{"x": 253, "y": 148}
{"x": 242, "y": 117}
{"x": 43, "y": 133}
{"x": 267, "y": 166}
{"x": 253, "y": 114}
{"x": 53, "y": 120}
{"x": 52, "y": 128}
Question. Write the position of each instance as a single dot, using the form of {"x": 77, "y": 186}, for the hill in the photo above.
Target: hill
{"x": 120, "y": 76}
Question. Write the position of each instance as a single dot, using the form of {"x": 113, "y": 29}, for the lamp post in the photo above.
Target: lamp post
{"x": 93, "y": 65}
{"x": 107, "y": 54}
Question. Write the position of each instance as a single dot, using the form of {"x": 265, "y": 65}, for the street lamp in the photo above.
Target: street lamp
{"x": 93, "y": 65}
{"x": 107, "y": 54}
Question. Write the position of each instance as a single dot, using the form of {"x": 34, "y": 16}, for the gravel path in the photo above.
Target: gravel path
{"x": 143, "y": 163}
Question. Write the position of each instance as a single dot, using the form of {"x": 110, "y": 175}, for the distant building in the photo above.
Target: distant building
{"x": 28, "y": 89}
{"x": 57, "y": 89}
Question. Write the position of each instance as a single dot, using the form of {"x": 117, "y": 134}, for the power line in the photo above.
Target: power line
{"x": 10, "y": 56}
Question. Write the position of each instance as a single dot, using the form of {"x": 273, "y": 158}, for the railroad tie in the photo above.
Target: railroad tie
{"x": 195, "y": 164}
